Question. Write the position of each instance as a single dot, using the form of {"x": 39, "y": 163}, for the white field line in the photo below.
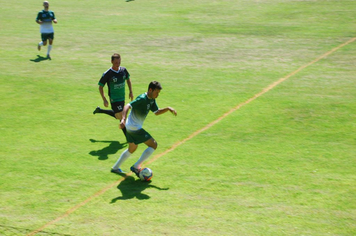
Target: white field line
{"x": 265, "y": 90}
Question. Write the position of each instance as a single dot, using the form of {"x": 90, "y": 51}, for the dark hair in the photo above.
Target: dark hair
{"x": 154, "y": 85}
{"x": 115, "y": 55}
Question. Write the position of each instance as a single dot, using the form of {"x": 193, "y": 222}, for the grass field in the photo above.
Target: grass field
{"x": 244, "y": 156}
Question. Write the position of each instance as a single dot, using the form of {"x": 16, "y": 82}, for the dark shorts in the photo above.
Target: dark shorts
{"x": 117, "y": 106}
{"x": 47, "y": 36}
{"x": 137, "y": 136}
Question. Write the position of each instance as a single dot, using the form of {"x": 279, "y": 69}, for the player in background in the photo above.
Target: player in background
{"x": 45, "y": 19}
{"x": 115, "y": 78}
{"x": 135, "y": 135}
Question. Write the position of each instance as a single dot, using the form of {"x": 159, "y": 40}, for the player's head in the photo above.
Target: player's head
{"x": 154, "y": 85}
{"x": 46, "y": 4}
{"x": 116, "y": 59}
{"x": 115, "y": 56}
{"x": 153, "y": 89}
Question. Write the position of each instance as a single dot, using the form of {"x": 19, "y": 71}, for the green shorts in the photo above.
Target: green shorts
{"x": 137, "y": 136}
{"x": 47, "y": 36}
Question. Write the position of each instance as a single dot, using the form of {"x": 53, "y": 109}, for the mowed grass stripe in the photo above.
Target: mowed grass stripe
{"x": 177, "y": 144}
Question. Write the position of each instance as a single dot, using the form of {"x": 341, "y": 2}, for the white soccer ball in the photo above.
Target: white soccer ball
{"x": 146, "y": 174}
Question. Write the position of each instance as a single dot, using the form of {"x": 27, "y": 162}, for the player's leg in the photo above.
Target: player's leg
{"x": 123, "y": 157}
{"x": 132, "y": 147}
{"x": 151, "y": 143}
{"x": 137, "y": 137}
{"x": 44, "y": 39}
{"x": 107, "y": 112}
{"x": 40, "y": 44}
{"x": 116, "y": 107}
{"x": 50, "y": 41}
{"x": 151, "y": 147}
{"x": 118, "y": 116}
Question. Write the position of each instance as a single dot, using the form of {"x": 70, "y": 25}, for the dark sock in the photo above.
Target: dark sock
{"x": 108, "y": 112}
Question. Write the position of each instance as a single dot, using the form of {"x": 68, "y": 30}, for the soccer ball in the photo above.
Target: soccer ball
{"x": 146, "y": 174}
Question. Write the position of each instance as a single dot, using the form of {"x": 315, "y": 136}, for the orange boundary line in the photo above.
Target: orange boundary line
{"x": 265, "y": 90}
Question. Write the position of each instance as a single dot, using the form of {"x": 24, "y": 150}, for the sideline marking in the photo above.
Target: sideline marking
{"x": 265, "y": 90}
{"x": 174, "y": 146}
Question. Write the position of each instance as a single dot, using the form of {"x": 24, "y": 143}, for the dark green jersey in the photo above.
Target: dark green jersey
{"x": 46, "y": 17}
{"x": 116, "y": 83}
{"x": 139, "y": 110}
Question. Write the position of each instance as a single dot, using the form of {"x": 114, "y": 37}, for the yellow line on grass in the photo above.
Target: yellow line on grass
{"x": 265, "y": 90}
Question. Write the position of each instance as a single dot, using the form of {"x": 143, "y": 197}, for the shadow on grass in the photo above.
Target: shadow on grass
{"x": 132, "y": 188}
{"x": 113, "y": 147}
{"x": 40, "y": 58}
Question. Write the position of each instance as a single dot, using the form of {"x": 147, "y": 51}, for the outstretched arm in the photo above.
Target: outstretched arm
{"x": 164, "y": 110}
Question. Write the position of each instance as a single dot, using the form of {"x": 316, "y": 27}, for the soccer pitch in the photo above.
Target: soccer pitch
{"x": 263, "y": 144}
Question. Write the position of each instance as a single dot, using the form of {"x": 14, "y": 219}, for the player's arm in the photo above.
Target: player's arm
{"x": 127, "y": 107}
{"x": 130, "y": 89}
{"x": 54, "y": 19}
{"x": 101, "y": 91}
{"x": 164, "y": 110}
{"x": 38, "y": 19}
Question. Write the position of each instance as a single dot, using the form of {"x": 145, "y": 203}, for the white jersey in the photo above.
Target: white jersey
{"x": 46, "y": 28}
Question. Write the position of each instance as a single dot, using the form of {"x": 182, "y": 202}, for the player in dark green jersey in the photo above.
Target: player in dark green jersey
{"x": 45, "y": 19}
{"x": 135, "y": 135}
{"x": 115, "y": 78}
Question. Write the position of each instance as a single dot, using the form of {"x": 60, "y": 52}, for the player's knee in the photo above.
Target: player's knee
{"x": 155, "y": 145}
{"x": 118, "y": 116}
{"x": 132, "y": 148}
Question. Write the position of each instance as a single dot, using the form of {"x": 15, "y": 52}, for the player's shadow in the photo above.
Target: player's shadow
{"x": 104, "y": 153}
{"x": 133, "y": 188}
{"x": 40, "y": 58}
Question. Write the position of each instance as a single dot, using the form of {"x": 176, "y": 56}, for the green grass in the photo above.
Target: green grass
{"x": 284, "y": 164}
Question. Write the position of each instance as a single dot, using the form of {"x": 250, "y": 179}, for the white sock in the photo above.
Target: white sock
{"x": 49, "y": 49}
{"x": 126, "y": 154}
{"x": 40, "y": 43}
{"x": 145, "y": 155}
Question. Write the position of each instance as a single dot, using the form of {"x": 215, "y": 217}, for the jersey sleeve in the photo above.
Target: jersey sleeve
{"x": 127, "y": 74}
{"x": 54, "y": 17}
{"x": 103, "y": 80}
{"x": 38, "y": 16}
{"x": 154, "y": 107}
{"x": 136, "y": 102}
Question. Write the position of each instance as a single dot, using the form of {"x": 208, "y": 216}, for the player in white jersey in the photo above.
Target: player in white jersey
{"x": 45, "y": 19}
{"x": 135, "y": 135}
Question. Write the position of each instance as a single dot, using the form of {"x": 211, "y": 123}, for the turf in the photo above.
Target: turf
{"x": 282, "y": 164}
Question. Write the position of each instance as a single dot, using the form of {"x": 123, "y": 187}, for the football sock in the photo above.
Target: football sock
{"x": 49, "y": 49}
{"x": 126, "y": 154}
{"x": 108, "y": 112}
{"x": 145, "y": 155}
{"x": 40, "y": 43}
